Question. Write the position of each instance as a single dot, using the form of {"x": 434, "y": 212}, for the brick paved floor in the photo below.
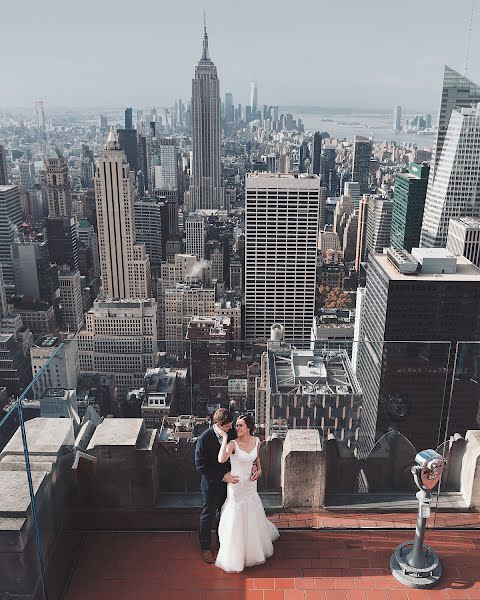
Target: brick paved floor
{"x": 334, "y": 520}
{"x": 307, "y": 565}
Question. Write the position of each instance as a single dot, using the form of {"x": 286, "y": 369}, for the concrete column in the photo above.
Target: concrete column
{"x": 303, "y": 469}
{"x": 470, "y": 474}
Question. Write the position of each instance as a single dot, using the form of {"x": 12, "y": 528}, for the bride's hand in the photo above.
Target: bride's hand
{"x": 256, "y": 475}
{"x": 221, "y": 432}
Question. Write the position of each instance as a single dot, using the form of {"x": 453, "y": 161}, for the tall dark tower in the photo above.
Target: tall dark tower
{"x": 316, "y": 153}
{"x": 206, "y": 190}
{"x": 128, "y": 118}
{"x": 362, "y": 151}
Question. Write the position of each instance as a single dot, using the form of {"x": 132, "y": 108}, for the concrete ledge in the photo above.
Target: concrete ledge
{"x": 303, "y": 469}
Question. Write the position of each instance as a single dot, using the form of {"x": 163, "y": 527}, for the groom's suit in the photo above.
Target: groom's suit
{"x": 214, "y": 490}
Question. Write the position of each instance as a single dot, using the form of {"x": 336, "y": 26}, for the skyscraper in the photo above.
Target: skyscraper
{"x": 10, "y": 223}
{"x": 379, "y": 223}
{"x": 397, "y": 118}
{"x": 166, "y": 173}
{"x": 72, "y": 317}
{"x": 316, "y": 153}
{"x": 457, "y": 91}
{"x": 26, "y": 172}
{"x": 128, "y": 142}
{"x": 61, "y": 230}
{"x": 254, "y": 98}
{"x": 328, "y": 169}
{"x": 464, "y": 238}
{"x": 195, "y": 236}
{"x": 408, "y": 205}
{"x": 352, "y": 189}
{"x": 229, "y": 112}
{"x": 128, "y": 118}
{"x": 426, "y": 297}
{"x": 58, "y": 185}
{"x": 3, "y": 297}
{"x": 3, "y": 166}
{"x": 35, "y": 277}
{"x": 281, "y": 228}
{"x": 40, "y": 114}
{"x": 88, "y": 167}
{"x": 62, "y": 241}
{"x": 362, "y": 150}
{"x": 454, "y": 190}
{"x": 151, "y": 229}
{"x": 124, "y": 265}
{"x": 206, "y": 190}
{"x": 361, "y": 232}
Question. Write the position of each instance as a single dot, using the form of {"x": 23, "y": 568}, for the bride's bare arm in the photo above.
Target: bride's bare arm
{"x": 226, "y": 450}
{"x": 256, "y": 474}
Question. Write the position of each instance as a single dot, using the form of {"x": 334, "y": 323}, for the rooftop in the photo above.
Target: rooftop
{"x": 6, "y": 188}
{"x": 306, "y": 565}
{"x": 322, "y": 372}
{"x": 465, "y": 271}
{"x": 470, "y": 222}
{"x": 48, "y": 341}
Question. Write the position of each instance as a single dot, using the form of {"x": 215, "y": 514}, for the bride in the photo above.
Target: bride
{"x": 245, "y": 533}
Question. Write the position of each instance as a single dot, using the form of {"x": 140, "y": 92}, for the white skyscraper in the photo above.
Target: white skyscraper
{"x": 124, "y": 265}
{"x": 206, "y": 190}
{"x": 281, "y": 229}
{"x": 166, "y": 173}
{"x": 397, "y": 118}
{"x": 379, "y": 224}
{"x": 464, "y": 238}
{"x": 254, "y": 98}
{"x": 457, "y": 91}
{"x": 10, "y": 223}
{"x": 195, "y": 235}
{"x": 454, "y": 191}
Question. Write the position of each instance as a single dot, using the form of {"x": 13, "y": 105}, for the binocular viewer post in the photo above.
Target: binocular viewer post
{"x": 413, "y": 563}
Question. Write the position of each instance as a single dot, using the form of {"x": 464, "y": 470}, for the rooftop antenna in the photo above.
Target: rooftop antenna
{"x": 205, "y": 55}
{"x": 469, "y": 37}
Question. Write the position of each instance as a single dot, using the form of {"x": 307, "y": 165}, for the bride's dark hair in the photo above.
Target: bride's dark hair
{"x": 247, "y": 419}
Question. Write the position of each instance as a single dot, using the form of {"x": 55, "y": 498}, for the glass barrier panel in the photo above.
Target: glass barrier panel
{"x": 462, "y": 438}
{"x": 374, "y": 404}
{"x": 21, "y": 568}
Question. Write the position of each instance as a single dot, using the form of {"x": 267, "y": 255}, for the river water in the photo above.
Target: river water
{"x": 347, "y": 124}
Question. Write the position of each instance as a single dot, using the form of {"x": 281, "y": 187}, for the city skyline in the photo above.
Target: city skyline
{"x": 440, "y": 41}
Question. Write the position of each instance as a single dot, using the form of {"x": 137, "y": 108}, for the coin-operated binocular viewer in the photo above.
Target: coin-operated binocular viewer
{"x": 413, "y": 563}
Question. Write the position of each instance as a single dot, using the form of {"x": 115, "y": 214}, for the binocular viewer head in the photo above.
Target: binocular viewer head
{"x": 428, "y": 469}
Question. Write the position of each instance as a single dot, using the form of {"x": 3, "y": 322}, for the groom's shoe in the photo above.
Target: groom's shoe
{"x": 207, "y": 556}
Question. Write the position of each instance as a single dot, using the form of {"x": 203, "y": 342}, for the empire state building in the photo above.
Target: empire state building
{"x": 206, "y": 189}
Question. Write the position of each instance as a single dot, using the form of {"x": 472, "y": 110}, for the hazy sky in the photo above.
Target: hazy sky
{"x": 141, "y": 53}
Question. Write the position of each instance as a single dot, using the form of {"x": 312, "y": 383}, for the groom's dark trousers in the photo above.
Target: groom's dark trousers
{"x": 214, "y": 490}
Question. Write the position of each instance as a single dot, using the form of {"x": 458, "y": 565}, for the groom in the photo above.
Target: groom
{"x": 214, "y": 477}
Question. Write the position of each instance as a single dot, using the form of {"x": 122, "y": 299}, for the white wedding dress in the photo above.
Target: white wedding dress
{"x": 245, "y": 533}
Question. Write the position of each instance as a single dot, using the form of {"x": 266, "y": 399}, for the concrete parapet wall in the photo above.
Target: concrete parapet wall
{"x": 303, "y": 469}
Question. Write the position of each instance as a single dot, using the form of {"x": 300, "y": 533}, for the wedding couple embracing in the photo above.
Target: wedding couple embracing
{"x": 227, "y": 459}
